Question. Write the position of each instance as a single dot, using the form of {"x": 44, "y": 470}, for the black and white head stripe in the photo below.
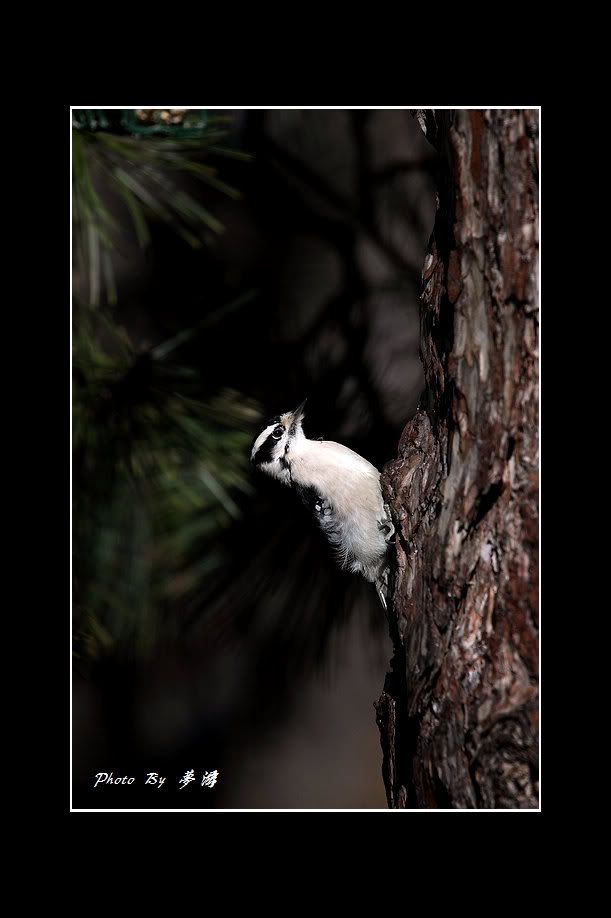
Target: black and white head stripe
{"x": 265, "y": 447}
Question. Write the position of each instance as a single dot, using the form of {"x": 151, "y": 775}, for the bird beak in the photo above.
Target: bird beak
{"x": 298, "y": 414}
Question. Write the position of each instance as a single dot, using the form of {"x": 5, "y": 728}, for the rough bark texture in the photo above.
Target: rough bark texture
{"x": 459, "y": 713}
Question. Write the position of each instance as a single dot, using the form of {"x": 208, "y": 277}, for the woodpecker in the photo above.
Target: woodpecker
{"x": 341, "y": 488}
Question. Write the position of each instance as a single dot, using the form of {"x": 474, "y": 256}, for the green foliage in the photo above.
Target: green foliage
{"x": 141, "y": 172}
{"x": 159, "y": 474}
{"x": 160, "y": 454}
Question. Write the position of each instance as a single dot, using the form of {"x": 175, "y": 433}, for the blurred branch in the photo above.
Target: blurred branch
{"x": 188, "y": 334}
{"x": 316, "y": 183}
{"x": 387, "y": 173}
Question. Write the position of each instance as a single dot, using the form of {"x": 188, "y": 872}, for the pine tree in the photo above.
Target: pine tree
{"x": 459, "y": 713}
{"x": 160, "y": 452}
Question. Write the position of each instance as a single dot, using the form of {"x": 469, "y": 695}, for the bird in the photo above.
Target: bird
{"x": 341, "y": 488}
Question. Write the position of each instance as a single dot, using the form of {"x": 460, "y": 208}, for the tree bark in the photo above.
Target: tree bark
{"x": 458, "y": 716}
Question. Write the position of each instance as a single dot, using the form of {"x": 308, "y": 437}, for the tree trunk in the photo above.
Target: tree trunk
{"x": 458, "y": 716}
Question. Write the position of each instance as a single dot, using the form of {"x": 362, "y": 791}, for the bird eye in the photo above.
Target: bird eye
{"x": 277, "y": 433}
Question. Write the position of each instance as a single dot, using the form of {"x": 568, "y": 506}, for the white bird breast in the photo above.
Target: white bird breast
{"x": 351, "y": 484}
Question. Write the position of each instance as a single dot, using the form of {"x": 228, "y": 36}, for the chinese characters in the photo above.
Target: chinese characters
{"x": 154, "y": 779}
{"x": 209, "y": 778}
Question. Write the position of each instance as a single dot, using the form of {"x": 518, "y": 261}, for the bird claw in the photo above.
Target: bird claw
{"x": 382, "y": 597}
{"x": 387, "y": 525}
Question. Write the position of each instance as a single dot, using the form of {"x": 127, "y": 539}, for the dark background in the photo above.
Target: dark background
{"x": 269, "y": 669}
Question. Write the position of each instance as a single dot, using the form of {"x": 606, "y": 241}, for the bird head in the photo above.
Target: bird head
{"x": 273, "y": 443}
